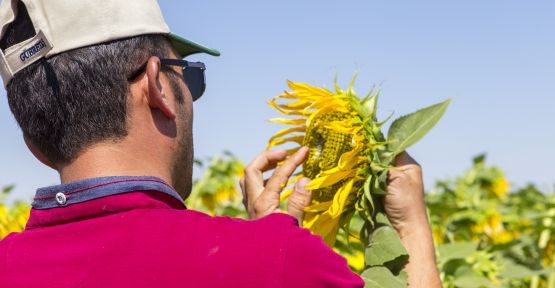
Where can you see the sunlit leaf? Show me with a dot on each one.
(408, 129)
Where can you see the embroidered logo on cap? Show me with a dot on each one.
(23, 54)
(28, 53)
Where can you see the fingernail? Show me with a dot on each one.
(301, 183)
(302, 150)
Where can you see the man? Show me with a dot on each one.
(101, 95)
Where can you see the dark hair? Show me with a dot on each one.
(77, 98)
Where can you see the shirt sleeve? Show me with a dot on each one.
(309, 262)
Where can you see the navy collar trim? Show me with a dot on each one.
(93, 188)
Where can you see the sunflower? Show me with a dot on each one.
(500, 187)
(340, 130)
(216, 191)
(13, 219)
(492, 226)
(348, 155)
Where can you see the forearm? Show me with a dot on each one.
(406, 209)
(421, 269)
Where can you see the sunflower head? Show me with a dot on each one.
(326, 146)
(348, 155)
(331, 125)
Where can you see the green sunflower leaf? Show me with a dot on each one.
(467, 278)
(381, 277)
(370, 105)
(459, 250)
(385, 246)
(408, 129)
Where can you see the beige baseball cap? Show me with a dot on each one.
(62, 25)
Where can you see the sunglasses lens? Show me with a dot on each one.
(194, 78)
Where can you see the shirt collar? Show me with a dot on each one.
(95, 196)
(93, 188)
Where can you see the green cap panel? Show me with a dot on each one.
(186, 47)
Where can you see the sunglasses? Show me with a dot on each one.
(193, 75)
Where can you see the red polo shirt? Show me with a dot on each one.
(136, 232)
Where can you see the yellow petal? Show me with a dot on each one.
(285, 194)
(330, 104)
(309, 90)
(324, 225)
(283, 132)
(324, 110)
(285, 95)
(294, 179)
(328, 180)
(293, 150)
(340, 199)
(347, 161)
(344, 126)
(351, 158)
(318, 207)
(288, 112)
(296, 139)
(287, 121)
(300, 104)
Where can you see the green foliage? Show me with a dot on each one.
(12, 217)
(383, 246)
(4, 191)
(381, 277)
(409, 129)
(489, 237)
(216, 191)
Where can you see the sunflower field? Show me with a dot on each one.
(12, 217)
(486, 234)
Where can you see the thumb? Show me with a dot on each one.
(299, 199)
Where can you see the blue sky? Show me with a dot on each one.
(494, 58)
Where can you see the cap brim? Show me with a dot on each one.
(186, 47)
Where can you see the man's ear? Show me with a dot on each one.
(156, 96)
(38, 154)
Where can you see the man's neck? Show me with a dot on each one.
(114, 160)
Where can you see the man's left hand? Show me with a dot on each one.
(261, 197)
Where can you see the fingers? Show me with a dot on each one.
(253, 183)
(396, 175)
(260, 196)
(406, 167)
(406, 163)
(281, 175)
(267, 160)
(243, 191)
(299, 199)
(404, 159)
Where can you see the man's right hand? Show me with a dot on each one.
(404, 202)
(406, 210)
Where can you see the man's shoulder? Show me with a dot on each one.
(4, 242)
(240, 247)
(268, 226)
(271, 222)
(273, 229)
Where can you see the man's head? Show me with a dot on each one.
(74, 101)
